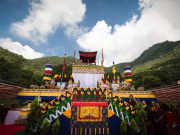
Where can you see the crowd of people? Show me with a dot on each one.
(159, 117)
(156, 120)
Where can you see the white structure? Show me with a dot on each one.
(87, 75)
(11, 117)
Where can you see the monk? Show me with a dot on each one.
(160, 121)
(132, 101)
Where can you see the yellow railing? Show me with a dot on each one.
(58, 92)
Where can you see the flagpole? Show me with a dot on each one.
(74, 56)
(61, 75)
(64, 66)
(114, 70)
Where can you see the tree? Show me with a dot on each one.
(151, 82)
(37, 80)
(45, 127)
(34, 119)
(55, 127)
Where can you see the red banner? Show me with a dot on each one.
(128, 74)
(48, 72)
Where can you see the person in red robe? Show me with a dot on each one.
(160, 121)
(132, 101)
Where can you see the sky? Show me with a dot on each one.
(122, 28)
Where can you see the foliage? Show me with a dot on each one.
(55, 127)
(140, 117)
(34, 118)
(45, 127)
(133, 126)
(147, 81)
(133, 116)
(168, 74)
(123, 127)
(11, 69)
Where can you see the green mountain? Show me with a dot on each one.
(156, 55)
(11, 68)
(156, 66)
(38, 65)
(16, 69)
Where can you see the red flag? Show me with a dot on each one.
(102, 58)
(64, 65)
(64, 58)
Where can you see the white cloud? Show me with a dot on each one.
(159, 21)
(16, 47)
(47, 15)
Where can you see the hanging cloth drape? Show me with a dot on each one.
(87, 80)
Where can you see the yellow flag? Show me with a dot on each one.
(113, 69)
(128, 80)
(46, 78)
(56, 76)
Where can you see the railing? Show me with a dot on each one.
(12, 84)
(44, 90)
(63, 90)
(8, 91)
(9, 85)
(166, 87)
(141, 92)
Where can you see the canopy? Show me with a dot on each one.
(88, 57)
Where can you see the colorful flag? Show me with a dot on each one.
(113, 68)
(48, 72)
(102, 58)
(63, 67)
(127, 71)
